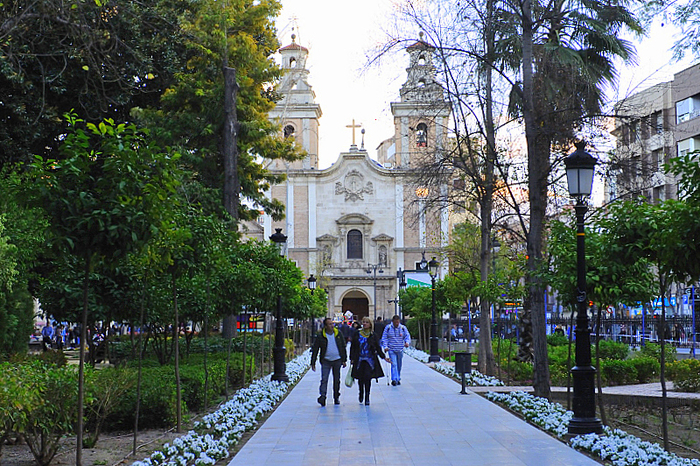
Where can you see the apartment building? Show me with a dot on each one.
(652, 127)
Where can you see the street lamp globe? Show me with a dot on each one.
(580, 167)
(311, 282)
(280, 241)
(433, 266)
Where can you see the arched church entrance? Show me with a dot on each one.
(357, 303)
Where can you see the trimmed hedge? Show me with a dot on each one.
(616, 372)
(685, 375)
(647, 368)
(612, 350)
(158, 390)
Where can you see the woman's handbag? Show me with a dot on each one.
(348, 378)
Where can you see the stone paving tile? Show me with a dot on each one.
(425, 421)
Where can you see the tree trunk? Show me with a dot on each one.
(662, 375)
(206, 349)
(81, 368)
(486, 362)
(568, 362)
(230, 155)
(176, 344)
(245, 347)
(538, 171)
(601, 401)
(142, 318)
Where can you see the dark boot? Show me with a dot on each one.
(362, 393)
(367, 392)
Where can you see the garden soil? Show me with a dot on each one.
(112, 449)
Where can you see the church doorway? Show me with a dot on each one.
(357, 303)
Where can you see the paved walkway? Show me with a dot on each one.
(424, 421)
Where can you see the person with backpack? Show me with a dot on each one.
(394, 339)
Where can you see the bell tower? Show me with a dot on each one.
(421, 118)
(297, 112)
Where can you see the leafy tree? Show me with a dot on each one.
(611, 277)
(100, 57)
(666, 235)
(106, 197)
(191, 115)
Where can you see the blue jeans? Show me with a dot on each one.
(326, 367)
(396, 357)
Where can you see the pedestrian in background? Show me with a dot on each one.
(394, 340)
(47, 334)
(365, 352)
(329, 347)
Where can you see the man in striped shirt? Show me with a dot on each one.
(394, 339)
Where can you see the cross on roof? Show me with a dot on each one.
(353, 126)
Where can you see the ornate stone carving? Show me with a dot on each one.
(353, 187)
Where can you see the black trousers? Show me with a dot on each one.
(364, 382)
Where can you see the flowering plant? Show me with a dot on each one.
(475, 378)
(614, 445)
(213, 436)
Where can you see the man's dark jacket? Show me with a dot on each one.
(321, 344)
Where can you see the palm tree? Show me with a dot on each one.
(568, 50)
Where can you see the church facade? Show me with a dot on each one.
(355, 224)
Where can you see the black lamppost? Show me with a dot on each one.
(432, 270)
(401, 275)
(311, 283)
(279, 351)
(580, 167)
(373, 268)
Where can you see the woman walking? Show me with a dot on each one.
(365, 352)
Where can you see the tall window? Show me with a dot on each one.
(354, 244)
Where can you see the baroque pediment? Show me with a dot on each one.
(354, 219)
(326, 238)
(382, 238)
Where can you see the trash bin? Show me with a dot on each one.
(463, 362)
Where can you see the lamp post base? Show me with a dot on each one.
(434, 356)
(280, 374)
(582, 426)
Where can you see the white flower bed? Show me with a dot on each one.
(551, 417)
(217, 432)
(614, 445)
(475, 378)
(422, 356)
(623, 449)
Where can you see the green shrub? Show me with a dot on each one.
(519, 371)
(46, 358)
(559, 365)
(653, 350)
(611, 350)
(616, 372)
(557, 339)
(157, 408)
(193, 380)
(685, 375)
(53, 417)
(647, 368)
(158, 396)
(16, 399)
(107, 388)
